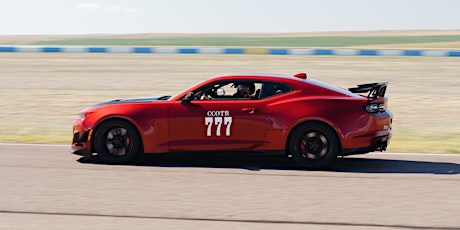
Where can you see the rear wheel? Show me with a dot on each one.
(117, 141)
(313, 145)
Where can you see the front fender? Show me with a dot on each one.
(149, 119)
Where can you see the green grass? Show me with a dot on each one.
(321, 41)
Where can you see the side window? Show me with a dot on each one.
(270, 89)
(230, 90)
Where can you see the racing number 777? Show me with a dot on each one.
(209, 121)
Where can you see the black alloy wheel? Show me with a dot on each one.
(117, 141)
(313, 145)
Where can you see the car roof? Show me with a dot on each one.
(296, 82)
(293, 81)
(264, 75)
(260, 76)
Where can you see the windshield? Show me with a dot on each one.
(164, 98)
(183, 91)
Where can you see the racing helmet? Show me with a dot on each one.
(245, 88)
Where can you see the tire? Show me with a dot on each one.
(117, 141)
(313, 145)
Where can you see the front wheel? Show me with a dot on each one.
(313, 145)
(117, 141)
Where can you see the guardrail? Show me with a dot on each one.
(206, 50)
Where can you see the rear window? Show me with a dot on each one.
(331, 87)
(270, 89)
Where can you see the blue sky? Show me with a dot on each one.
(29, 17)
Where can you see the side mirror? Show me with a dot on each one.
(220, 92)
(187, 98)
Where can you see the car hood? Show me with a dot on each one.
(132, 100)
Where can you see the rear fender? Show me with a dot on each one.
(338, 132)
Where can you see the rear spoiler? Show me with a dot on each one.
(375, 89)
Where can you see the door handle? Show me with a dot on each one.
(249, 110)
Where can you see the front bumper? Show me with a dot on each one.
(81, 141)
(80, 152)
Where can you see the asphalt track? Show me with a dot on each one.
(45, 187)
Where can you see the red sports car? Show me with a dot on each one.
(309, 120)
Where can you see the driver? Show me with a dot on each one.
(245, 90)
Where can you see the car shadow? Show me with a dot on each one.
(256, 161)
(367, 165)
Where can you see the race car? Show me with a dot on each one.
(310, 121)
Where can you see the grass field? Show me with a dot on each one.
(42, 93)
(430, 39)
(314, 41)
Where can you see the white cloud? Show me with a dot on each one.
(114, 8)
(109, 8)
(130, 10)
(88, 6)
(119, 8)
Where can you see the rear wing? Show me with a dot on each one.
(374, 90)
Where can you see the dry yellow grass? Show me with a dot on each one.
(42, 93)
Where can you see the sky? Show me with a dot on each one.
(71, 17)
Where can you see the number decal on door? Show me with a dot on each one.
(208, 122)
(218, 122)
(218, 119)
(228, 123)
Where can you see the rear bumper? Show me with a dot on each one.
(378, 144)
(374, 132)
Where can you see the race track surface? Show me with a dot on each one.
(45, 187)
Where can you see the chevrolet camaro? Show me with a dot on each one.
(308, 120)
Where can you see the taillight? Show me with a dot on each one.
(375, 108)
